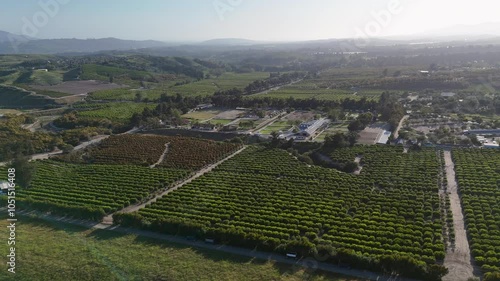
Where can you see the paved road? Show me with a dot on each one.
(458, 259)
(309, 263)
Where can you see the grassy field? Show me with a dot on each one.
(46, 78)
(56, 251)
(226, 81)
(116, 111)
(120, 75)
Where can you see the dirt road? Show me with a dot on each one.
(396, 132)
(162, 157)
(458, 258)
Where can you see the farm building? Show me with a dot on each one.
(312, 126)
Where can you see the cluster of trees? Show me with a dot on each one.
(234, 98)
(16, 141)
(73, 121)
(390, 109)
(361, 122)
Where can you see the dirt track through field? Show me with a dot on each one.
(458, 258)
(162, 157)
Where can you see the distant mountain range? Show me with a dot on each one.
(12, 44)
(488, 33)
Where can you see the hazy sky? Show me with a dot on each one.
(271, 20)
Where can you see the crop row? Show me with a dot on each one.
(182, 152)
(100, 187)
(478, 177)
(264, 197)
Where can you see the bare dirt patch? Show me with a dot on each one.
(300, 116)
(230, 114)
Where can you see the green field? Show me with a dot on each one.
(116, 111)
(120, 75)
(266, 199)
(276, 127)
(59, 252)
(14, 97)
(46, 78)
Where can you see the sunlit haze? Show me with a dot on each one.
(277, 20)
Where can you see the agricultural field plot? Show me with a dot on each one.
(332, 129)
(129, 149)
(388, 166)
(78, 87)
(278, 126)
(120, 75)
(113, 111)
(478, 178)
(300, 116)
(226, 81)
(182, 152)
(266, 198)
(89, 253)
(14, 97)
(307, 89)
(46, 78)
(202, 115)
(127, 94)
(91, 191)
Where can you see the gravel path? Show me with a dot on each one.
(458, 258)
